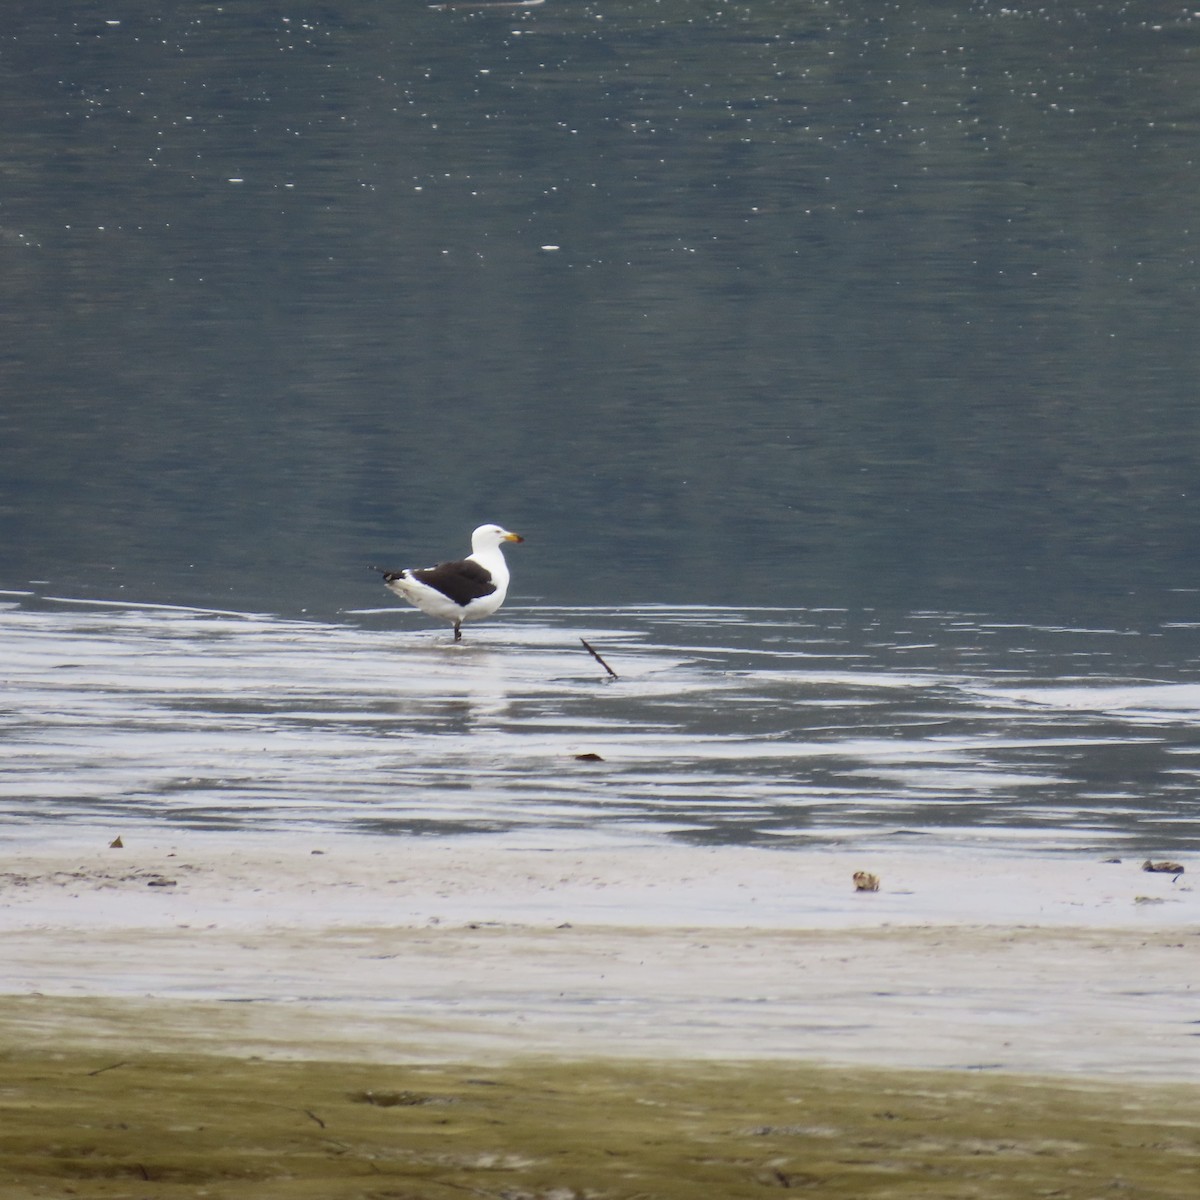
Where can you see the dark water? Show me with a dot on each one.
(854, 303)
(800, 308)
(768, 726)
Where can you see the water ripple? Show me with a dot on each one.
(734, 725)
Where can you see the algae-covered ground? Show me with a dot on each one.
(87, 1123)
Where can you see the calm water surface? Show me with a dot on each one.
(783, 331)
(754, 726)
(850, 302)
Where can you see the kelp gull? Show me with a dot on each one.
(466, 590)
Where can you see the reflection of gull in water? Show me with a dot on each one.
(466, 692)
(485, 701)
(464, 590)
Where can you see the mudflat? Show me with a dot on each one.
(229, 1015)
(148, 1125)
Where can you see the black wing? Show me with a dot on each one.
(462, 581)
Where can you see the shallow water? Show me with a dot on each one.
(751, 726)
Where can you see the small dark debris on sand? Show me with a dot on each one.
(1163, 867)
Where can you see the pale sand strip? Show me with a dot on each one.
(477, 948)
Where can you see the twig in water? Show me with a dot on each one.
(601, 661)
(101, 1070)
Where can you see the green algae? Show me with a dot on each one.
(153, 1126)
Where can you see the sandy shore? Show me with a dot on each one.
(481, 949)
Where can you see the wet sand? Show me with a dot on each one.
(485, 949)
(361, 1018)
